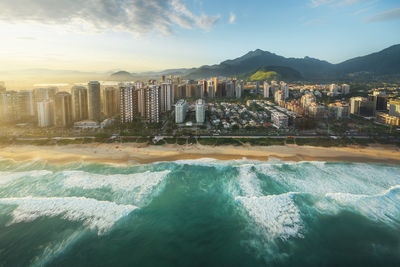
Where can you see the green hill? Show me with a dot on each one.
(272, 73)
(263, 75)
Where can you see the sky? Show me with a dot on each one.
(145, 35)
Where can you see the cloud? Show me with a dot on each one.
(391, 14)
(232, 18)
(135, 16)
(318, 3)
(360, 11)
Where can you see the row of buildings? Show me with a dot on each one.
(213, 88)
(146, 102)
(50, 106)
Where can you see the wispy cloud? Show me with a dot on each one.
(391, 14)
(360, 11)
(232, 18)
(135, 16)
(318, 3)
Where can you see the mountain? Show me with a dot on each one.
(307, 67)
(122, 76)
(272, 73)
(385, 62)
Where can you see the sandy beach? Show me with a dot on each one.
(131, 153)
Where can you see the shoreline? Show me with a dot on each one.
(133, 153)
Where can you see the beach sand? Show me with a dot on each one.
(131, 153)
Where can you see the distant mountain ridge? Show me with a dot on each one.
(385, 62)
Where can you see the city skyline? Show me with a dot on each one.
(154, 35)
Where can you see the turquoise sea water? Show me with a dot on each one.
(199, 213)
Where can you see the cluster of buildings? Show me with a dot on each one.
(279, 91)
(53, 108)
(87, 106)
(233, 115)
(182, 107)
(97, 105)
(145, 102)
(377, 105)
(211, 89)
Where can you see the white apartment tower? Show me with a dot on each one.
(266, 89)
(180, 111)
(128, 103)
(45, 111)
(200, 111)
(166, 95)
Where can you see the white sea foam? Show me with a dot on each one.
(97, 215)
(248, 182)
(7, 177)
(142, 184)
(321, 178)
(382, 207)
(276, 215)
(53, 250)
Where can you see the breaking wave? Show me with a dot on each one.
(8, 177)
(142, 185)
(276, 215)
(97, 215)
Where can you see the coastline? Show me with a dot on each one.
(133, 153)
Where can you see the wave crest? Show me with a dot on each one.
(97, 215)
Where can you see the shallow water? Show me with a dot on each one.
(198, 213)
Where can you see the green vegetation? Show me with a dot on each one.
(262, 76)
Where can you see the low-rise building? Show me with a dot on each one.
(279, 120)
(387, 119)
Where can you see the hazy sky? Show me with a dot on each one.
(140, 35)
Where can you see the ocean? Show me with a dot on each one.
(199, 213)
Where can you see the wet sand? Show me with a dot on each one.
(131, 153)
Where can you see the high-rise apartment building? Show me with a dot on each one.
(211, 88)
(9, 106)
(166, 95)
(80, 110)
(94, 101)
(278, 96)
(111, 101)
(128, 103)
(380, 100)
(42, 94)
(25, 104)
(45, 113)
(345, 89)
(230, 87)
(202, 87)
(238, 89)
(63, 109)
(200, 111)
(180, 111)
(266, 89)
(285, 90)
(152, 104)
